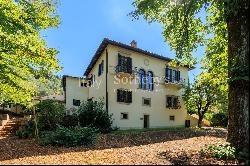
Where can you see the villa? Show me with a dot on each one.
(139, 88)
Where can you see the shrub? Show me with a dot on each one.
(70, 120)
(27, 131)
(220, 151)
(92, 114)
(219, 119)
(49, 114)
(72, 136)
(243, 155)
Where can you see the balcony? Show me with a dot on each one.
(124, 71)
(174, 83)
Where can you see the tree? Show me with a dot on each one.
(200, 96)
(224, 28)
(51, 85)
(24, 54)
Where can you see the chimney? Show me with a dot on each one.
(133, 44)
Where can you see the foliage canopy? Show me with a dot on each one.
(24, 54)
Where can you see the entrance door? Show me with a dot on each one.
(146, 121)
(187, 123)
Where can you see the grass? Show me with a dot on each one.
(138, 131)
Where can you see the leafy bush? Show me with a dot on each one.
(92, 114)
(219, 119)
(72, 136)
(49, 114)
(27, 131)
(220, 151)
(70, 120)
(243, 155)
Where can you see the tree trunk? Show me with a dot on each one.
(200, 121)
(238, 59)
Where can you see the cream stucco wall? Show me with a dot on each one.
(98, 88)
(158, 113)
(75, 91)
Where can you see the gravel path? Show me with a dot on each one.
(144, 148)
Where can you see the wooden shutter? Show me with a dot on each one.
(179, 76)
(99, 69)
(102, 69)
(171, 75)
(166, 74)
(128, 97)
(118, 95)
(119, 60)
(129, 65)
(152, 85)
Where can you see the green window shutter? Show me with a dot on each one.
(102, 66)
(129, 65)
(166, 74)
(171, 75)
(118, 95)
(179, 76)
(99, 69)
(129, 96)
(119, 60)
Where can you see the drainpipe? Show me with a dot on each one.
(107, 80)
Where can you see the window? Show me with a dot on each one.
(90, 80)
(124, 115)
(124, 64)
(171, 118)
(82, 84)
(124, 96)
(169, 102)
(101, 68)
(142, 81)
(150, 81)
(172, 75)
(76, 102)
(173, 102)
(146, 101)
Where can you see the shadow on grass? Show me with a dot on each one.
(14, 148)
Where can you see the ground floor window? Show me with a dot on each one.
(173, 102)
(146, 102)
(171, 118)
(124, 115)
(124, 96)
(76, 102)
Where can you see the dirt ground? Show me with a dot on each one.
(152, 147)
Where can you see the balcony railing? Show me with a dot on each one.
(123, 69)
(180, 83)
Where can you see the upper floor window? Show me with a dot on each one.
(172, 75)
(101, 68)
(150, 81)
(124, 64)
(146, 81)
(124, 96)
(142, 81)
(173, 102)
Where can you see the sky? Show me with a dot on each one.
(85, 23)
